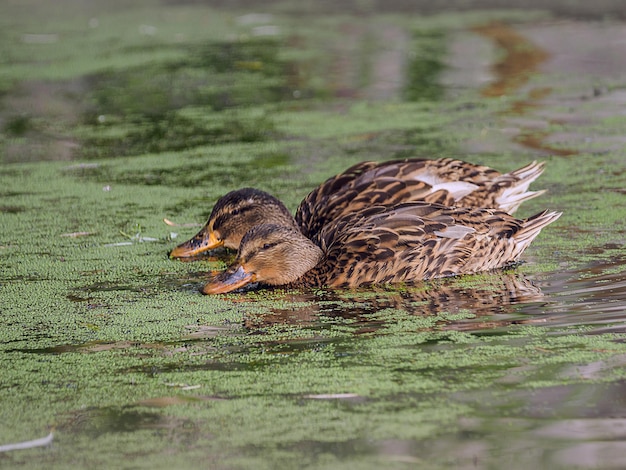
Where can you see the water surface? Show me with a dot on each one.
(115, 119)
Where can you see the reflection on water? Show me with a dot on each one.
(522, 58)
(483, 301)
(588, 434)
(595, 296)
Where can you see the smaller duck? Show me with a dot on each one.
(232, 216)
(405, 243)
(444, 181)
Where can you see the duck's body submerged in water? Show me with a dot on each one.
(401, 221)
(409, 242)
(444, 181)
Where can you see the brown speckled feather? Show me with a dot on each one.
(417, 241)
(444, 181)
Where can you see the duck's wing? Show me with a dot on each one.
(417, 241)
(443, 181)
(330, 199)
(386, 183)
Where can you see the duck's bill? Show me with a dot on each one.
(231, 279)
(204, 240)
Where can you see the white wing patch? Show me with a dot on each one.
(455, 231)
(458, 189)
(428, 177)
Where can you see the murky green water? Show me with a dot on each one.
(113, 119)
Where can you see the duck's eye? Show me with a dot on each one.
(235, 211)
(267, 246)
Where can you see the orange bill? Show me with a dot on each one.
(233, 278)
(204, 240)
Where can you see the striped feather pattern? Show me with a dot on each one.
(418, 241)
(443, 181)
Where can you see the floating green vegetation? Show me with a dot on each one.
(220, 392)
(425, 66)
(177, 105)
(109, 344)
(217, 76)
(173, 132)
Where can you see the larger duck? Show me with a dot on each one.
(408, 242)
(444, 181)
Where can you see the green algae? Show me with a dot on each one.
(109, 343)
(426, 66)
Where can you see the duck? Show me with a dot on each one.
(445, 181)
(405, 243)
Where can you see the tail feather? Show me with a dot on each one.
(513, 196)
(530, 172)
(533, 225)
(510, 201)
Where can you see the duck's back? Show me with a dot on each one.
(444, 181)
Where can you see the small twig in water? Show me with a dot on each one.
(44, 441)
(174, 224)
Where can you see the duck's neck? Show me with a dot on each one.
(313, 276)
(292, 267)
(304, 261)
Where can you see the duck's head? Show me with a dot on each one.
(270, 254)
(232, 216)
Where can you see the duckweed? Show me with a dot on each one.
(109, 343)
